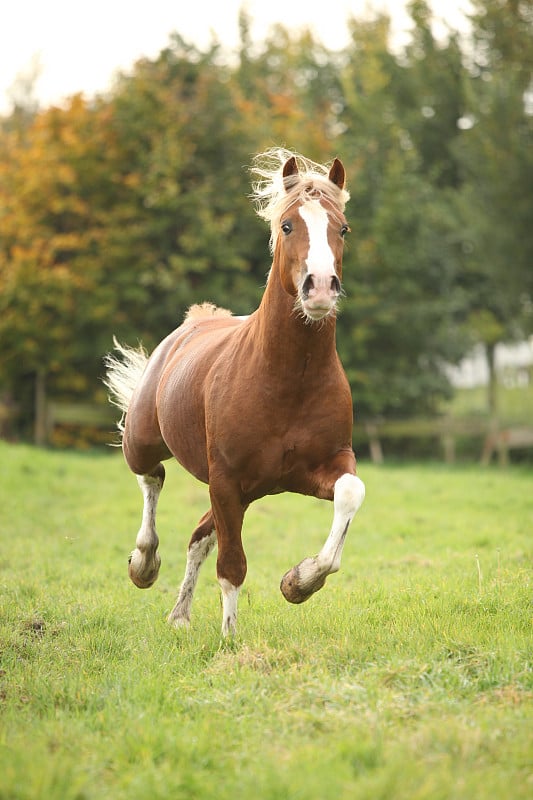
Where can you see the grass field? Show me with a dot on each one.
(408, 677)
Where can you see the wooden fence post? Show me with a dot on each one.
(376, 452)
(41, 423)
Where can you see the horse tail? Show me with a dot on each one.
(123, 373)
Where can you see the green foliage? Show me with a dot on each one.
(399, 323)
(184, 226)
(118, 213)
(496, 158)
(407, 676)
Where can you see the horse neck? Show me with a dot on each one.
(285, 336)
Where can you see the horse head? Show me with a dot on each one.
(310, 238)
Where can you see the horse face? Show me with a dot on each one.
(312, 241)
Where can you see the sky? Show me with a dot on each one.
(79, 47)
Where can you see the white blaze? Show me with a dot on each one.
(320, 258)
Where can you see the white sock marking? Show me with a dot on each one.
(347, 500)
(196, 555)
(230, 596)
(151, 489)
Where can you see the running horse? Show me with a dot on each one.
(253, 405)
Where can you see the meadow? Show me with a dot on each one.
(408, 677)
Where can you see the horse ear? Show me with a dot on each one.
(337, 174)
(290, 172)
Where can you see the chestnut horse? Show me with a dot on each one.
(252, 405)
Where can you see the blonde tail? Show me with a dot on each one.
(123, 373)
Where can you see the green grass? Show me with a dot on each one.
(407, 677)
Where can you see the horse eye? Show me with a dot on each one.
(286, 227)
(344, 230)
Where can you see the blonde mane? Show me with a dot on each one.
(272, 194)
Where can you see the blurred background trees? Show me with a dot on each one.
(118, 212)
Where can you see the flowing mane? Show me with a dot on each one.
(273, 194)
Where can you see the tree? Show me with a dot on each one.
(186, 214)
(429, 90)
(290, 91)
(118, 213)
(496, 156)
(397, 326)
(53, 184)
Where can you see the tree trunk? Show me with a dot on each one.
(492, 389)
(41, 426)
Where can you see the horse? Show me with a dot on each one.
(255, 405)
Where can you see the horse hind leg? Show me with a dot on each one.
(144, 561)
(202, 542)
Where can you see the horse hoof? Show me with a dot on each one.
(143, 573)
(296, 590)
(178, 622)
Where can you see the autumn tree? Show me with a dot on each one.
(54, 188)
(117, 213)
(185, 229)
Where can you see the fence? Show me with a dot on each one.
(377, 434)
(447, 430)
(86, 416)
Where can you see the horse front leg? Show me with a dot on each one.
(228, 514)
(202, 542)
(303, 580)
(144, 561)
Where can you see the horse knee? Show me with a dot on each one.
(349, 494)
(231, 567)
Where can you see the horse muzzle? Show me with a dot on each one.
(319, 294)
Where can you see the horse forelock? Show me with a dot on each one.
(273, 194)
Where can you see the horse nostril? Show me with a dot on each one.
(335, 285)
(307, 285)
